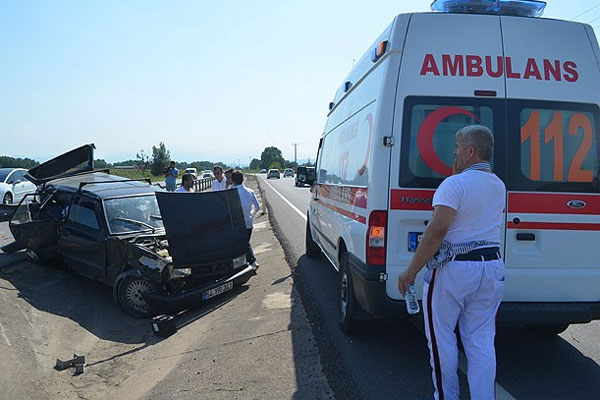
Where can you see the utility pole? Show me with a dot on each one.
(295, 152)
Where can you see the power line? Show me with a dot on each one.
(595, 19)
(587, 11)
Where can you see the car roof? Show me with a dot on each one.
(12, 169)
(111, 186)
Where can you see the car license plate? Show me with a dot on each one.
(217, 291)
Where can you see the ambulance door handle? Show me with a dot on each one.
(526, 236)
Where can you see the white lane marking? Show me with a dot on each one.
(286, 200)
(4, 335)
(501, 393)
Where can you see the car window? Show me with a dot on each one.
(133, 214)
(83, 214)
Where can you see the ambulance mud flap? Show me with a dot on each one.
(370, 291)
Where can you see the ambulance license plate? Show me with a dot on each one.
(413, 240)
(217, 291)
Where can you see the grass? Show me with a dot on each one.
(136, 174)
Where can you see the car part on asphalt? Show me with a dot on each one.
(163, 325)
(74, 362)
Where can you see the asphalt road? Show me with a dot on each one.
(389, 359)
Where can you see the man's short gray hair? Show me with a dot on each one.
(480, 137)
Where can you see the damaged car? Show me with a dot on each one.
(159, 251)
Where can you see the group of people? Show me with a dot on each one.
(224, 180)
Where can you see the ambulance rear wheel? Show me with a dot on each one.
(312, 248)
(349, 307)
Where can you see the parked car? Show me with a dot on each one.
(273, 173)
(13, 185)
(263, 171)
(305, 176)
(192, 171)
(288, 172)
(132, 235)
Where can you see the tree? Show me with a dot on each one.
(160, 158)
(291, 164)
(11, 162)
(270, 155)
(100, 163)
(254, 164)
(142, 160)
(275, 165)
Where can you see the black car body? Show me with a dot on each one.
(159, 251)
(305, 176)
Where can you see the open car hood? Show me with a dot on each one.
(75, 161)
(203, 228)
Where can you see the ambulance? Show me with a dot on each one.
(388, 143)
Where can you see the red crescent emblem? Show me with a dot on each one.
(425, 137)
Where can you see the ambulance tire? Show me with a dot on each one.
(312, 249)
(548, 330)
(348, 305)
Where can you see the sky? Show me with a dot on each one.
(216, 81)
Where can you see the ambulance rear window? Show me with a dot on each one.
(429, 135)
(557, 145)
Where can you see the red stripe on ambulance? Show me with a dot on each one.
(411, 199)
(553, 203)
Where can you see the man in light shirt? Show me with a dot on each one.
(250, 206)
(219, 183)
(187, 184)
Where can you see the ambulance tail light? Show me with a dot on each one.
(376, 240)
(519, 8)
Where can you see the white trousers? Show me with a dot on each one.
(467, 293)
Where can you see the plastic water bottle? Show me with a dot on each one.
(412, 305)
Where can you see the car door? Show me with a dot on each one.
(20, 185)
(83, 239)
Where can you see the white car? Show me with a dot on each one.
(13, 185)
(191, 171)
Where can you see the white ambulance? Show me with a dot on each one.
(389, 140)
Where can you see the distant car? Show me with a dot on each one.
(207, 175)
(288, 172)
(263, 171)
(305, 176)
(273, 173)
(191, 171)
(13, 185)
(131, 235)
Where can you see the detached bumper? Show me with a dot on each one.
(169, 303)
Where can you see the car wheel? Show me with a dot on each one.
(548, 330)
(7, 199)
(348, 306)
(312, 249)
(131, 299)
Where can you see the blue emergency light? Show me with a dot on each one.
(519, 8)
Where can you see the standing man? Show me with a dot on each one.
(465, 280)
(187, 184)
(228, 177)
(171, 177)
(219, 183)
(250, 206)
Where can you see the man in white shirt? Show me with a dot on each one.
(465, 280)
(250, 206)
(187, 184)
(219, 183)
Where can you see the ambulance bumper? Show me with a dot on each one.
(370, 291)
(543, 314)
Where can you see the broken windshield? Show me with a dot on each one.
(133, 214)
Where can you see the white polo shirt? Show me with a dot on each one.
(479, 198)
(216, 185)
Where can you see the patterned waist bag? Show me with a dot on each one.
(447, 251)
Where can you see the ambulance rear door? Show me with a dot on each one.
(446, 83)
(553, 209)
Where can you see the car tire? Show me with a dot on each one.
(7, 199)
(312, 249)
(130, 295)
(348, 305)
(548, 330)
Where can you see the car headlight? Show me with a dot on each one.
(239, 262)
(176, 273)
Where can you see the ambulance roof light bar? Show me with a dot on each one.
(519, 8)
